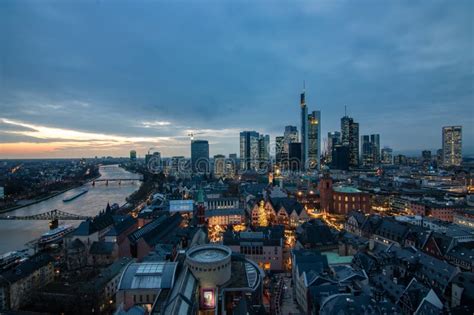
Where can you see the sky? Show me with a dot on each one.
(99, 78)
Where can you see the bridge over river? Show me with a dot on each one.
(29, 222)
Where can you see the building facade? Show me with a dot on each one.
(279, 147)
(219, 165)
(264, 151)
(350, 138)
(304, 130)
(264, 246)
(387, 156)
(249, 152)
(200, 156)
(370, 149)
(452, 145)
(314, 140)
(334, 139)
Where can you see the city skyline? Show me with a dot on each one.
(67, 93)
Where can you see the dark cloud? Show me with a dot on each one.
(404, 69)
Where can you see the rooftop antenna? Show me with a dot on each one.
(345, 110)
(304, 85)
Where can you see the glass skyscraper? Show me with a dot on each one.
(387, 156)
(279, 146)
(452, 145)
(370, 149)
(200, 156)
(334, 138)
(291, 136)
(314, 140)
(249, 150)
(350, 138)
(304, 130)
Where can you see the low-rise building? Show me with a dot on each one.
(440, 211)
(315, 234)
(141, 283)
(345, 303)
(264, 246)
(144, 239)
(462, 290)
(280, 210)
(346, 199)
(212, 280)
(87, 295)
(18, 283)
(222, 203)
(229, 216)
(309, 268)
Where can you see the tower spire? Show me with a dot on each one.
(345, 110)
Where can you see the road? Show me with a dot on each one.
(289, 305)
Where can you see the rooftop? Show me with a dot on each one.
(208, 253)
(334, 258)
(347, 190)
(26, 268)
(148, 275)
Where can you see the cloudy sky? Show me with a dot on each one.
(86, 78)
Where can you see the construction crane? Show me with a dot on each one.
(191, 134)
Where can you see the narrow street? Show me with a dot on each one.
(288, 306)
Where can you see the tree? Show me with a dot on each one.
(262, 214)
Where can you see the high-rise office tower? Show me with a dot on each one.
(334, 138)
(291, 136)
(304, 130)
(279, 146)
(439, 157)
(366, 150)
(153, 161)
(350, 138)
(375, 140)
(264, 151)
(133, 155)
(249, 152)
(452, 145)
(231, 165)
(400, 159)
(387, 156)
(178, 164)
(426, 158)
(314, 140)
(219, 165)
(295, 156)
(340, 157)
(200, 156)
(370, 149)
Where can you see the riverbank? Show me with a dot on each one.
(14, 234)
(35, 201)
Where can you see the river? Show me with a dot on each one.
(14, 234)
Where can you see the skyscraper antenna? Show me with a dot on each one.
(345, 110)
(304, 85)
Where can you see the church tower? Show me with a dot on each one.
(326, 192)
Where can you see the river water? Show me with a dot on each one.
(14, 234)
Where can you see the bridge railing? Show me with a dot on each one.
(50, 215)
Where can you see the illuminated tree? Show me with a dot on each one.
(262, 214)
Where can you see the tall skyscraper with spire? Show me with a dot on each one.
(304, 129)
